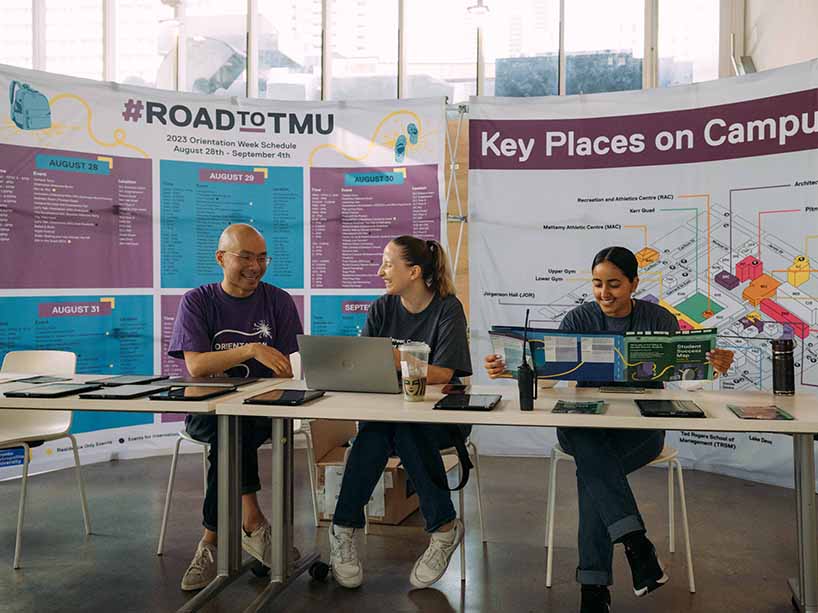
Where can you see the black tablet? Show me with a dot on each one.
(669, 408)
(52, 390)
(128, 380)
(40, 379)
(213, 381)
(468, 402)
(192, 392)
(613, 389)
(285, 397)
(123, 392)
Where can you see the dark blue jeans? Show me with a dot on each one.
(375, 443)
(607, 508)
(254, 431)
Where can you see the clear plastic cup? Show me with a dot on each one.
(414, 367)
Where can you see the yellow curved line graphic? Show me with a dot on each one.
(560, 374)
(119, 133)
(667, 368)
(371, 140)
(625, 362)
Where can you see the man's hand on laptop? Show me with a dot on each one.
(273, 359)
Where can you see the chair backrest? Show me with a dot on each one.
(43, 362)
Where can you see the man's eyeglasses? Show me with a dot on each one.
(248, 258)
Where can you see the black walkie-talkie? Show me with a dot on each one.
(526, 380)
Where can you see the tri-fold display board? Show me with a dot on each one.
(632, 357)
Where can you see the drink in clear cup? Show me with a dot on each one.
(414, 367)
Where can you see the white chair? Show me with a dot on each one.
(668, 456)
(23, 427)
(461, 507)
(299, 429)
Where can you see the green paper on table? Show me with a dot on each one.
(592, 407)
(759, 412)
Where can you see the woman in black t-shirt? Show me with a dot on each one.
(419, 305)
(608, 513)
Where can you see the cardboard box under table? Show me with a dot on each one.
(394, 498)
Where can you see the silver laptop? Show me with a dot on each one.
(348, 364)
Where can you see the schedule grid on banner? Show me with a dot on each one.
(713, 186)
(112, 200)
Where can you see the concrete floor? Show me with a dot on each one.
(743, 546)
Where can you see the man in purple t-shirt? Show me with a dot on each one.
(241, 327)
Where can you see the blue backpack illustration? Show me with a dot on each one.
(29, 108)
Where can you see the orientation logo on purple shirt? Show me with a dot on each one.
(209, 319)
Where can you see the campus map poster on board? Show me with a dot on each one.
(714, 186)
(112, 199)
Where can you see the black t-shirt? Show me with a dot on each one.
(441, 325)
(644, 317)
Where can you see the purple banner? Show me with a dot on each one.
(217, 175)
(352, 224)
(767, 126)
(73, 309)
(356, 306)
(299, 305)
(170, 366)
(62, 229)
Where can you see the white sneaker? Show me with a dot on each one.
(435, 560)
(259, 543)
(346, 568)
(202, 569)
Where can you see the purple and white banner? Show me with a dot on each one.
(112, 199)
(713, 186)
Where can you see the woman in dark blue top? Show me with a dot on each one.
(608, 513)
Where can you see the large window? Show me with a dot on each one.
(518, 42)
(441, 49)
(604, 45)
(73, 38)
(522, 48)
(216, 50)
(289, 43)
(364, 44)
(15, 33)
(145, 35)
(688, 41)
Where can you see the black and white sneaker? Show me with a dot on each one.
(648, 573)
(595, 599)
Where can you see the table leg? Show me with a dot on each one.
(281, 492)
(281, 517)
(805, 587)
(228, 553)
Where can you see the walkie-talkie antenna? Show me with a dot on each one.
(525, 334)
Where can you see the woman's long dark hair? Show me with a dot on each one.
(621, 257)
(433, 262)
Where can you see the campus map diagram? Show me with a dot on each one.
(746, 264)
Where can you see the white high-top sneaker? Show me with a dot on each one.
(346, 568)
(435, 560)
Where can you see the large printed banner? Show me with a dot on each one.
(714, 187)
(112, 199)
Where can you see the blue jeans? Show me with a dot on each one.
(376, 441)
(607, 508)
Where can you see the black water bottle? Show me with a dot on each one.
(783, 367)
